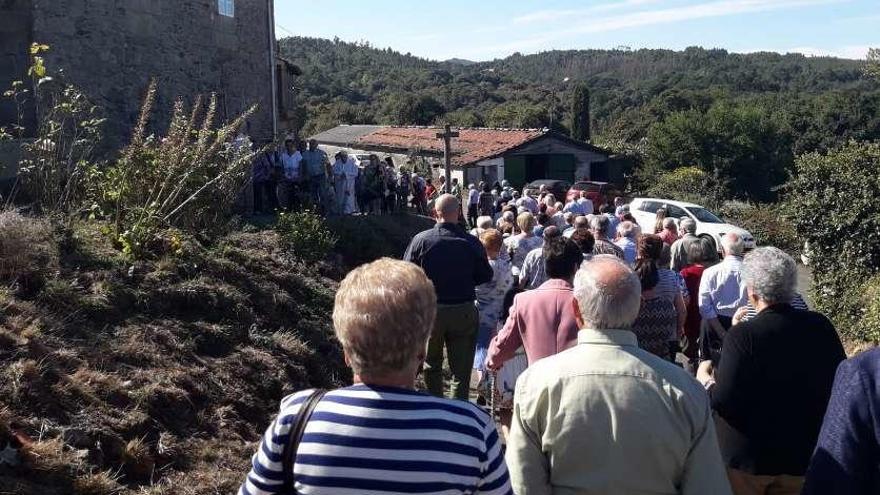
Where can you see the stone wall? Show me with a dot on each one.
(112, 48)
(15, 38)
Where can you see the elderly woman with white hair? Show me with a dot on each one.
(380, 435)
(521, 244)
(627, 234)
(774, 380)
(484, 223)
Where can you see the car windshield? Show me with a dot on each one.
(704, 215)
(586, 186)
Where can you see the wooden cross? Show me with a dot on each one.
(447, 136)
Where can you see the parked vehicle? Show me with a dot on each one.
(558, 188)
(709, 226)
(597, 192)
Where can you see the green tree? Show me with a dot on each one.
(580, 113)
(742, 145)
(835, 198)
(409, 109)
(873, 66)
(518, 115)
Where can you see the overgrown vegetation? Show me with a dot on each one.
(305, 235)
(154, 376)
(188, 180)
(835, 197)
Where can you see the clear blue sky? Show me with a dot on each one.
(487, 29)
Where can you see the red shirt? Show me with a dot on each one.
(668, 236)
(692, 275)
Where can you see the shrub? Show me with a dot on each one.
(770, 224)
(689, 184)
(305, 236)
(57, 166)
(188, 180)
(27, 248)
(835, 198)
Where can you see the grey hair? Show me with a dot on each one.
(508, 216)
(733, 244)
(689, 226)
(599, 223)
(771, 275)
(607, 301)
(626, 229)
(485, 222)
(669, 223)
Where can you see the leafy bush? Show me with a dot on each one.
(770, 224)
(305, 236)
(690, 184)
(188, 180)
(835, 198)
(57, 166)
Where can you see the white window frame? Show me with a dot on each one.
(226, 7)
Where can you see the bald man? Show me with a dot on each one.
(606, 416)
(456, 263)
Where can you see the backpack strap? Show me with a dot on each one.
(294, 437)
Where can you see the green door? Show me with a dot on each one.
(561, 167)
(515, 170)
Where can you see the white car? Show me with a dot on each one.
(644, 210)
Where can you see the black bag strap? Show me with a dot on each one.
(295, 437)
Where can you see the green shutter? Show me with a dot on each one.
(561, 167)
(515, 170)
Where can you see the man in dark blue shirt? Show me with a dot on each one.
(456, 263)
(847, 457)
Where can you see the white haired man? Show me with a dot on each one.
(606, 416)
(774, 381)
(456, 262)
(626, 241)
(679, 248)
(722, 292)
(362, 438)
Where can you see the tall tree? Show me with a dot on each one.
(873, 67)
(580, 113)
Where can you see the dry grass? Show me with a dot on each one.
(27, 247)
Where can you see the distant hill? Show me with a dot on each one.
(460, 61)
(631, 90)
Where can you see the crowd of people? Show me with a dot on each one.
(302, 176)
(617, 358)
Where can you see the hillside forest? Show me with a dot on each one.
(740, 118)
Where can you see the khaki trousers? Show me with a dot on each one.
(752, 484)
(455, 328)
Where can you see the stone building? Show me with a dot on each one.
(516, 155)
(112, 48)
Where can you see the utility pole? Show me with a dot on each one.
(447, 136)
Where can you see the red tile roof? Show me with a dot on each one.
(473, 145)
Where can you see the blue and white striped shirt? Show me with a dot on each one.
(370, 440)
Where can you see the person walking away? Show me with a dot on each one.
(605, 417)
(774, 381)
(404, 189)
(534, 273)
(540, 322)
(456, 263)
(669, 234)
(721, 293)
(291, 163)
(490, 302)
(662, 313)
(382, 316)
(390, 185)
(692, 275)
(314, 163)
(486, 202)
(599, 228)
(626, 241)
(680, 248)
(264, 183)
(847, 457)
(659, 218)
(473, 199)
(522, 244)
(374, 186)
(456, 188)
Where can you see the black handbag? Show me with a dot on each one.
(288, 457)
